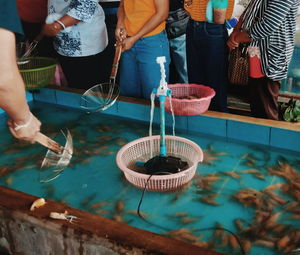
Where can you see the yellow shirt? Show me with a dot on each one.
(197, 9)
(137, 13)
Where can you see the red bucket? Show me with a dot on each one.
(189, 99)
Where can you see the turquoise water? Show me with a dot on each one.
(92, 182)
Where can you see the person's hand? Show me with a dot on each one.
(128, 43)
(120, 33)
(25, 131)
(52, 29)
(231, 42)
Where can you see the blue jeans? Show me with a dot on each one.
(207, 59)
(178, 56)
(139, 71)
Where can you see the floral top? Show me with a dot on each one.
(89, 36)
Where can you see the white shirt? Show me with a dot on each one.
(86, 38)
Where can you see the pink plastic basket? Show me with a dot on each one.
(140, 150)
(189, 106)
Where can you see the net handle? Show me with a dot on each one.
(48, 143)
(115, 65)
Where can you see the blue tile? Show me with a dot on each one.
(134, 111)
(207, 125)
(68, 99)
(181, 122)
(3, 118)
(111, 110)
(248, 132)
(45, 95)
(29, 96)
(285, 139)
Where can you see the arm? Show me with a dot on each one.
(219, 10)
(12, 90)
(273, 17)
(219, 15)
(162, 12)
(79, 11)
(120, 32)
(232, 42)
(54, 28)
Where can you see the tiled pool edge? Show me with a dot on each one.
(33, 232)
(248, 129)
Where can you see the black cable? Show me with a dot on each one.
(139, 206)
(168, 230)
(229, 231)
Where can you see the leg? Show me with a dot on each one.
(129, 76)
(82, 72)
(264, 98)
(193, 60)
(148, 49)
(178, 56)
(207, 56)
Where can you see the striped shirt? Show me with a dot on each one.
(271, 24)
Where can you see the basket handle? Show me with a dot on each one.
(49, 143)
(115, 65)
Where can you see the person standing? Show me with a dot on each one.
(80, 36)
(33, 14)
(269, 27)
(178, 41)
(22, 123)
(207, 53)
(141, 31)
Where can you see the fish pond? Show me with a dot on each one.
(244, 198)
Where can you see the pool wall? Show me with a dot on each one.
(34, 233)
(277, 134)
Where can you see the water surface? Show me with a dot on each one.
(245, 189)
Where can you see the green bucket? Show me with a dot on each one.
(37, 72)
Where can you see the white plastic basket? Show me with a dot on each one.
(140, 150)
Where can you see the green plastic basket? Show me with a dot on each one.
(37, 72)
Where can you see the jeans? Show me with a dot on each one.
(178, 56)
(207, 59)
(139, 71)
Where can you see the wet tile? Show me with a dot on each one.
(112, 110)
(133, 111)
(45, 95)
(3, 117)
(207, 125)
(68, 99)
(285, 139)
(248, 132)
(181, 122)
(29, 96)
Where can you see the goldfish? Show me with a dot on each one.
(98, 205)
(232, 174)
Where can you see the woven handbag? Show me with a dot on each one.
(238, 70)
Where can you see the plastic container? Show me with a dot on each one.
(187, 107)
(140, 150)
(37, 72)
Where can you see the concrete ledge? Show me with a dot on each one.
(33, 233)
